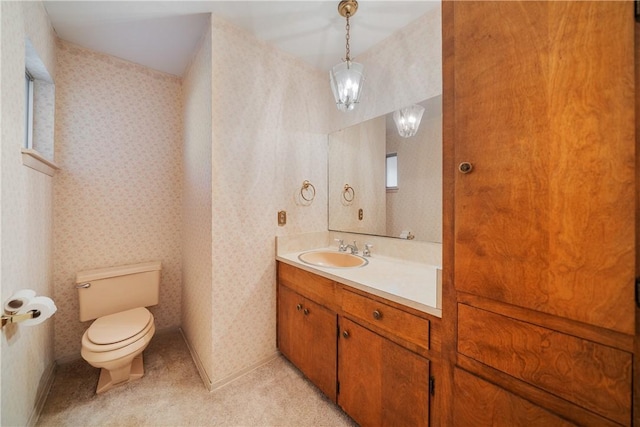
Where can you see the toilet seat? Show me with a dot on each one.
(118, 330)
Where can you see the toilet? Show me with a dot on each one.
(117, 297)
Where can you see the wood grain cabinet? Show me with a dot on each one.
(481, 403)
(371, 356)
(307, 337)
(412, 331)
(540, 233)
(381, 382)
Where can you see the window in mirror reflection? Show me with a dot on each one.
(392, 171)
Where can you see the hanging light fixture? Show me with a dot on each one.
(408, 120)
(346, 77)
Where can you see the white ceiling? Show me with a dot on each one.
(163, 35)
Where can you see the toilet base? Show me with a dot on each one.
(128, 373)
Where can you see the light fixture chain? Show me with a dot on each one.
(348, 27)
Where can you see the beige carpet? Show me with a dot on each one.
(172, 394)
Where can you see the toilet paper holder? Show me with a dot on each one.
(18, 308)
(16, 318)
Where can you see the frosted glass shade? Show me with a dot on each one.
(408, 120)
(346, 83)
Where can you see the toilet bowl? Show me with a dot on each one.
(115, 344)
(117, 297)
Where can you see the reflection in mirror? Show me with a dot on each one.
(412, 208)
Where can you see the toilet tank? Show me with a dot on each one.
(111, 290)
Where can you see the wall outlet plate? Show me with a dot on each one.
(282, 218)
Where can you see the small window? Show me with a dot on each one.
(28, 110)
(392, 171)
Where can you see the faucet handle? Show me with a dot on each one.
(367, 249)
(341, 245)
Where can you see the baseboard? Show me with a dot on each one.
(68, 359)
(46, 382)
(229, 379)
(196, 359)
(211, 386)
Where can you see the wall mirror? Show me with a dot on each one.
(359, 198)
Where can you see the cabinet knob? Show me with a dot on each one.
(465, 167)
(345, 333)
(377, 315)
(305, 311)
(299, 307)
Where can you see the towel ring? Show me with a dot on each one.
(348, 194)
(308, 187)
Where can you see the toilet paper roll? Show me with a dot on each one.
(18, 300)
(44, 305)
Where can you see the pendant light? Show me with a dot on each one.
(408, 120)
(346, 77)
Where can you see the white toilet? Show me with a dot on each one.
(116, 297)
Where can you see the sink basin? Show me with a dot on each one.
(332, 259)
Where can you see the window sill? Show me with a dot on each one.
(34, 160)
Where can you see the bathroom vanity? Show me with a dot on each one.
(378, 357)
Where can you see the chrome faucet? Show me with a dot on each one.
(367, 249)
(354, 248)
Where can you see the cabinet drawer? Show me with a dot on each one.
(588, 374)
(480, 403)
(319, 289)
(393, 320)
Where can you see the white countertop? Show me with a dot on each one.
(409, 283)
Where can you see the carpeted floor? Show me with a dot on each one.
(172, 394)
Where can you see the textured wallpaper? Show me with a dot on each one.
(118, 195)
(26, 244)
(267, 139)
(256, 133)
(255, 126)
(196, 207)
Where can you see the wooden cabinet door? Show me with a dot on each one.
(381, 383)
(319, 347)
(307, 337)
(544, 111)
(539, 99)
(290, 326)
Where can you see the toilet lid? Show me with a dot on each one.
(119, 326)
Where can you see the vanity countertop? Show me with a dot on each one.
(409, 283)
